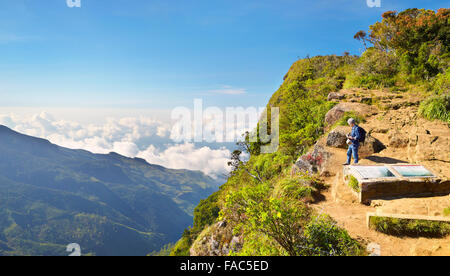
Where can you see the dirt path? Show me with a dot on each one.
(352, 216)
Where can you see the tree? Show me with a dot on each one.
(408, 30)
(361, 36)
(419, 38)
(235, 160)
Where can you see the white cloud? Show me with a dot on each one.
(124, 136)
(186, 156)
(229, 90)
(126, 148)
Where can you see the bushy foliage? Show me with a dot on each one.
(410, 227)
(436, 108)
(441, 84)
(446, 211)
(206, 212)
(183, 246)
(325, 238)
(270, 165)
(411, 46)
(302, 99)
(354, 184)
(257, 244)
(288, 222)
(407, 30)
(302, 124)
(375, 69)
(165, 251)
(296, 189)
(350, 114)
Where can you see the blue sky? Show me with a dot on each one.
(157, 54)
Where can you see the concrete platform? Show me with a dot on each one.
(393, 181)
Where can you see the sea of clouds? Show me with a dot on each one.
(141, 137)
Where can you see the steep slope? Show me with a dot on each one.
(401, 85)
(52, 196)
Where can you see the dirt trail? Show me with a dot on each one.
(409, 139)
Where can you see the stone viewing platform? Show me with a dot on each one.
(393, 181)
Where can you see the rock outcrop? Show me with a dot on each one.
(398, 140)
(337, 112)
(335, 96)
(217, 240)
(338, 138)
(316, 161)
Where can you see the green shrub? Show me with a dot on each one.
(271, 165)
(436, 108)
(296, 189)
(447, 212)
(410, 227)
(302, 124)
(325, 238)
(350, 114)
(441, 84)
(182, 247)
(418, 36)
(302, 100)
(206, 212)
(165, 251)
(285, 225)
(375, 69)
(354, 184)
(258, 244)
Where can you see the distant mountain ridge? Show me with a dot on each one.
(52, 196)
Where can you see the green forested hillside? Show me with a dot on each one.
(406, 52)
(109, 204)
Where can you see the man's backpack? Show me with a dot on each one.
(362, 134)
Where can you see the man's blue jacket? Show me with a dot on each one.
(356, 135)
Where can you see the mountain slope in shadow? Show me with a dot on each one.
(52, 196)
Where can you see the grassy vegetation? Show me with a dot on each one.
(302, 100)
(293, 188)
(436, 108)
(165, 251)
(410, 227)
(354, 184)
(347, 115)
(446, 212)
(183, 246)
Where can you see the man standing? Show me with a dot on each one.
(354, 139)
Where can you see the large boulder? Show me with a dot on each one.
(315, 161)
(338, 139)
(398, 140)
(371, 146)
(335, 96)
(337, 112)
